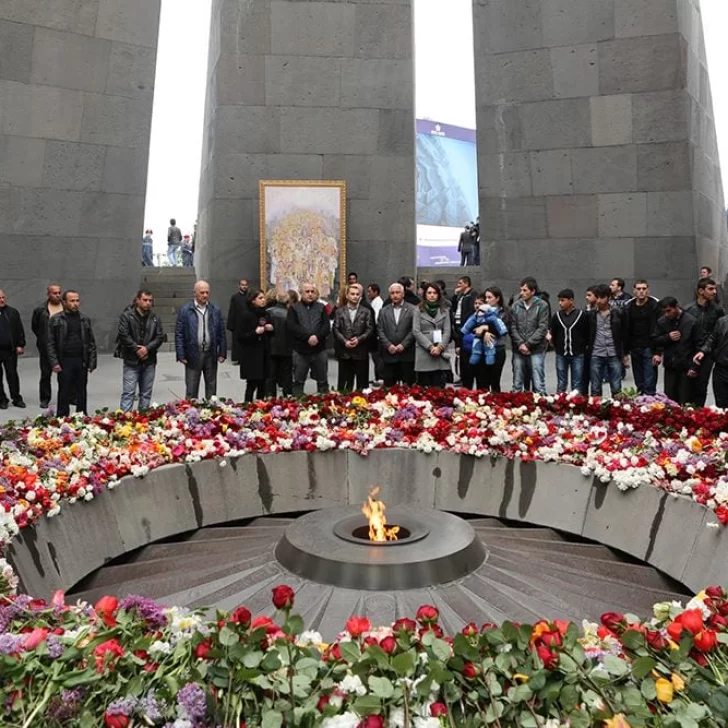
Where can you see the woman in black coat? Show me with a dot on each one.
(253, 332)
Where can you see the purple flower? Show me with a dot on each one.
(122, 706)
(151, 612)
(193, 701)
(10, 643)
(151, 706)
(66, 706)
(55, 648)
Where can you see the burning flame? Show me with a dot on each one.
(374, 509)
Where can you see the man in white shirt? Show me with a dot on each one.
(374, 294)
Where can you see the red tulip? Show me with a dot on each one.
(356, 626)
(706, 640)
(388, 644)
(716, 592)
(438, 709)
(106, 608)
(116, 721)
(36, 637)
(283, 597)
(241, 616)
(427, 614)
(691, 619)
(469, 671)
(106, 654)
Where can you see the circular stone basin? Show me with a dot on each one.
(322, 547)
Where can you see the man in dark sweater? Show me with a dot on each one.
(12, 345)
(308, 326)
(716, 347)
(570, 335)
(72, 352)
(706, 312)
(641, 314)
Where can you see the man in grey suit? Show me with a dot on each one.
(396, 340)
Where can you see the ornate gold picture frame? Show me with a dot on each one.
(302, 234)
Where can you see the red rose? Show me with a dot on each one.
(106, 653)
(691, 619)
(356, 626)
(674, 629)
(716, 592)
(404, 625)
(469, 671)
(388, 644)
(470, 630)
(203, 650)
(323, 701)
(438, 709)
(562, 625)
(550, 639)
(656, 640)
(550, 659)
(613, 621)
(706, 640)
(116, 721)
(427, 614)
(372, 721)
(105, 608)
(36, 637)
(283, 597)
(241, 616)
(369, 641)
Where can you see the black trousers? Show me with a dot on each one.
(720, 386)
(399, 371)
(351, 370)
(9, 363)
(207, 369)
(281, 375)
(254, 386)
(467, 370)
(431, 379)
(46, 372)
(700, 383)
(378, 365)
(679, 387)
(72, 380)
(489, 377)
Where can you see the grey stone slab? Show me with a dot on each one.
(69, 60)
(659, 258)
(623, 215)
(382, 220)
(664, 166)
(16, 51)
(124, 170)
(557, 124)
(507, 175)
(322, 130)
(313, 28)
(78, 16)
(234, 219)
(645, 17)
(378, 261)
(551, 172)
(41, 211)
(245, 27)
(518, 76)
(377, 83)
(302, 81)
(634, 65)
(611, 118)
(470, 484)
(40, 111)
(514, 218)
(262, 129)
(502, 25)
(131, 70)
(107, 215)
(21, 161)
(129, 21)
(383, 31)
(116, 120)
(240, 80)
(605, 169)
(706, 564)
(660, 117)
(573, 216)
(575, 71)
(71, 166)
(705, 219)
(500, 128)
(570, 22)
(396, 133)
(670, 214)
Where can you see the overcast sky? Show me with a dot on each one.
(444, 78)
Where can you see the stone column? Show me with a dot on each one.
(309, 90)
(597, 148)
(76, 87)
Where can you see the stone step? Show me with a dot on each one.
(529, 534)
(154, 273)
(176, 553)
(215, 534)
(567, 548)
(486, 522)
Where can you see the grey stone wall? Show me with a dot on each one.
(309, 90)
(76, 87)
(597, 149)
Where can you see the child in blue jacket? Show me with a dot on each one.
(484, 315)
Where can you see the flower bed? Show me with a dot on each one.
(135, 663)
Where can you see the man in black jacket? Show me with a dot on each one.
(675, 343)
(706, 313)
(238, 306)
(716, 347)
(571, 336)
(140, 337)
(641, 314)
(308, 326)
(12, 345)
(463, 306)
(39, 324)
(72, 352)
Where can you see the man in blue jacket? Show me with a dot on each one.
(200, 341)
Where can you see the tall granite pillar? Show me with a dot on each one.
(76, 87)
(309, 90)
(597, 145)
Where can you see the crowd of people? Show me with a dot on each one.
(414, 335)
(180, 248)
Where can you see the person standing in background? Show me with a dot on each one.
(12, 345)
(148, 249)
(174, 240)
(238, 306)
(39, 324)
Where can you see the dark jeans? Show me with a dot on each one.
(585, 376)
(431, 379)
(399, 371)
(207, 368)
(569, 367)
(679, 387)
(645, 374)
(9, 363)
(467, 370)
(466, 258)
(318, 364)
(489, 377)
(72, 380)
(720, 386)
(378, 365)
(700, 383)
(351, 369)
(46, 372)
(254, 389)
(609, 367)
(281, 375)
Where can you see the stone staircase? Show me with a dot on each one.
(529, 573)
(172, 288)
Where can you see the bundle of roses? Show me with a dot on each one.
(129, 663)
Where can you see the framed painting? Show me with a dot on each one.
(302, 234)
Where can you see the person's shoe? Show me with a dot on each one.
(44, 404)
(4, 404)
(19, 403)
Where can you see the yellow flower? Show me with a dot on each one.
(664, 690)
(617, 721)
(677, 682)
(358, 402)
(520, 677)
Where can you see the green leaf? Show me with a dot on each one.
(463, 648)
(614, 666)
(648, 688)
(367, 704)
(227, 637)
(723, 638)
(271, 662)
(80, 677)
(642, 667)
(510, 632)
(495, 711)
(633, 639)
(526, 720)
(272, 719)
(301, 685)
(520, 693)
(441, 650)
(568, 664)
(569, 697)
(378, 655)
(253, 659)
(718, 703)
(404, 663)
(350, 651)
(293, 625)
(381, 687)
